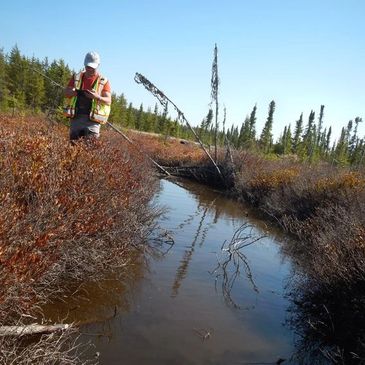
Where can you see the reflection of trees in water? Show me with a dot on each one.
(216, 202)
(208, 201)
(329, 321)
(188, 254)
(233, 260)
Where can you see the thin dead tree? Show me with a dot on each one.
(164, 100)
(214, 95)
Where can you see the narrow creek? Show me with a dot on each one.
(181, 306)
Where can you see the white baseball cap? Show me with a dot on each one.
(92, 59)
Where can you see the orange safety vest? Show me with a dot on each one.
(99, 111)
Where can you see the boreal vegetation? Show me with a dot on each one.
(312, 187)
(23, 89)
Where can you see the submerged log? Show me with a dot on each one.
(31, 329)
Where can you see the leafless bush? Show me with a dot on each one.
(55, 348)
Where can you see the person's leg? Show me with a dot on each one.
(78, 127)
(91, 135)
(75, 134)
(92, 130)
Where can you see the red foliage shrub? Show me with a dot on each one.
(67, 212)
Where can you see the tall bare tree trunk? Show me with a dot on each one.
(214, 95)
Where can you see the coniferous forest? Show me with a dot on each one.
(24, 89)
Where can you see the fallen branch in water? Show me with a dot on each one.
(32, 329)
(164, 100)
(229, 266)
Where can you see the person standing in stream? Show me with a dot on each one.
(87, 100)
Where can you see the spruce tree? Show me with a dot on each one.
(287, 142)
(354, 137)
(162, 122)
(4, 92)
(328, 139)
(266, 134)
(341, 148)
(59, 72)
(214, 94)
(149, 118)
(244, 135)
(309, 138)
(16, 76)
(140, 118)
(122, 102)
(204, 126)
(252, 134)
(130, 118)
(357, 157)
(155, 118)
(298, 133)
(235, 136)
(34, 88)
(320, 124)
(115, 116)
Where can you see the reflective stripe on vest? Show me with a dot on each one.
(69, 106)
(99, 111)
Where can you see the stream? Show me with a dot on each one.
(192, 302)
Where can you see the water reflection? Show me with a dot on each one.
(222, 207)
(97, 302)
(173, 312)
(188, 254)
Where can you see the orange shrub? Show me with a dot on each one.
(66, 211)
(344, 180)
(266, 181)
(169, 151)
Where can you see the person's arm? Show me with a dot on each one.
(70, 90)
(106, 97)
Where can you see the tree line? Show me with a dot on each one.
(308, 140)
(22, 88)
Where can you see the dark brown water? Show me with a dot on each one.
(175, 310)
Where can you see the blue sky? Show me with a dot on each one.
(300, 53)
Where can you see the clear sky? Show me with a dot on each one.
(300, 53)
